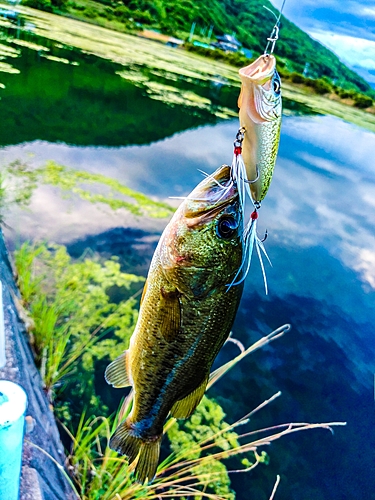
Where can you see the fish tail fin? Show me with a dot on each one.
(125, 442)
(148, 460)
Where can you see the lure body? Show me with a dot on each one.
(260, 115)
(186, 315)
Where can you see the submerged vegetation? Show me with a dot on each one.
(24, 179)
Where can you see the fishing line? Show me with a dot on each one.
(274, 36)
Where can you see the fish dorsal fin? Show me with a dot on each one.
(185, 407)
(144, 292)
(117, 373)
(170, 314)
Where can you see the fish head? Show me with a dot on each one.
(201, 248)
(260, 95)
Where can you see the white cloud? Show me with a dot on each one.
(354, 51)
(367, 12)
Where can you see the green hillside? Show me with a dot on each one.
(247, 19)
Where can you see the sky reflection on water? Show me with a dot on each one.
(322, 194)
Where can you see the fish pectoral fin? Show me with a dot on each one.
(185, 407)
(146, 453)
(117, 373)
(170, 314)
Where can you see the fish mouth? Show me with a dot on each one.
(211, 196)
(260, 71)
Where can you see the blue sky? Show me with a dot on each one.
(345, 26)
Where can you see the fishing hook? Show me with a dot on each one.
(274, 36)
(256, 178)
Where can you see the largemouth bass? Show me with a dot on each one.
(186, 313)
(260, 115)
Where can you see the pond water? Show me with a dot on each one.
(75, 109)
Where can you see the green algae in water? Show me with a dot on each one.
(8, 68)
(73, 313)
(29, 45)
(126, 49)
(71, 181)
(6, 51)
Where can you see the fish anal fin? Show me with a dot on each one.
(125, 442)
(185, 407)
(170, 314)
(117, 372)
(126, 406)
(145, 453)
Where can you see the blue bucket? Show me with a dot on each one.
(13, 402)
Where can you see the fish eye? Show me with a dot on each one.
(276, 86)
(226, 227)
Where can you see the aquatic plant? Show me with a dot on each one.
(76, 181)
(70, 306)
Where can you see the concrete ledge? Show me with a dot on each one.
(40, 474)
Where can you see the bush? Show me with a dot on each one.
(90, 12)
(297, 78)
(321, 86)
(77, 6)
(283, 72)
(346, 94)
(362, 101)
(142, 17)
(122, 12)
(45, 5)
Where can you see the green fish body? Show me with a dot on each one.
(260, 115)
(186, 314)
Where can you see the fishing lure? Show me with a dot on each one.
(257, 142)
